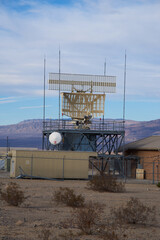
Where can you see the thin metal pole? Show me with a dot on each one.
(153, 174)
(31, 166)
(7, 145)
(104, 75)
(124, 100)
(103, 121)
(59, 83)
(44, 99)
(44, 90)
(63, 167)
(124, 95)
(105, 67)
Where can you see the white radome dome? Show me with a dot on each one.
(55, 138)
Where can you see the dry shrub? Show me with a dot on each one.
(158, 184)
(113, 235)
(87, 218)
(90, 221)
(44, 234)
(135, 212)
(67, 196)
(12, 194)
(110, 235)
(113, 231)
(67, 235)
(106, 183)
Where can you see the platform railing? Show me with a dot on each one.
(67, 124)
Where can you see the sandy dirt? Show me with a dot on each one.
(40, 212)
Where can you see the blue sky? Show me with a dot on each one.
(88, 32)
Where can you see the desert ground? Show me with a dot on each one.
(39, 212)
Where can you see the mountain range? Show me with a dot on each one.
(28, 133)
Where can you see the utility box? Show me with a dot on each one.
(50, 164)
(139, 173)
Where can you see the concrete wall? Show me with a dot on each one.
(50, 164)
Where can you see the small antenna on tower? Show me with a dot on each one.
(59, 82)
(124, 102)
(44, 96)
(124, 97)
(105, 67)
(44, 89)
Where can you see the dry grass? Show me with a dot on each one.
(44, 234)
(111, 230)
(43, 214)
(110, 235)
(69, 235)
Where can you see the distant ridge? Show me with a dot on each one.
(28, 133)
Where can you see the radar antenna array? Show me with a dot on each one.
(77, 91)
(82, 83)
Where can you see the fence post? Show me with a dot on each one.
(31, 165)
(153, 173)
(158, 171)
(63, 167)
(125, 170)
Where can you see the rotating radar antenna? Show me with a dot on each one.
(83, 96)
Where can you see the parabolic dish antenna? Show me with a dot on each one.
(55, 138)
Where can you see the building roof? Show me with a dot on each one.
(5, 149)
(149, 143)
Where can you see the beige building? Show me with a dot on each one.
(50, 164)
(5, 156)
(144, 154)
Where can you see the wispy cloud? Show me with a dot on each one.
(32, 107)
(7, 100)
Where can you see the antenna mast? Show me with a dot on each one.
(44, 88)
(124, 100)
(59, 83)
(124, 97)
(105, 67)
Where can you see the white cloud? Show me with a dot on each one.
(88, 32)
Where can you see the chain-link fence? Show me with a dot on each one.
(63, 167)
(145, 168)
